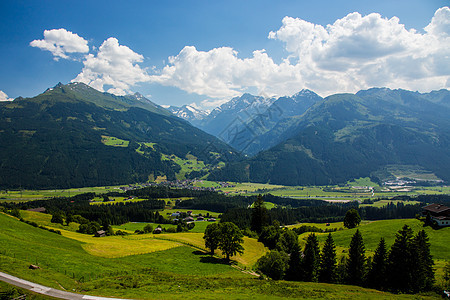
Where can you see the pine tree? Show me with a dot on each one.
(294, 271)
(400, 262)
(376, 277)
(356, 264)
(259, 215)
(288, 242)
(311, 259)
(328, 263)
(423, 278)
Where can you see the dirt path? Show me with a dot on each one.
(40, 289)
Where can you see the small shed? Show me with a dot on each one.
(100, 233)
(200, 218)
(157, 230)
(211, 220)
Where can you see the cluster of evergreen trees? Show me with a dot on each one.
(407, 267)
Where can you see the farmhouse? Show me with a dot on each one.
(440, 214)
(100, 233)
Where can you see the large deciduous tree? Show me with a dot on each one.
(274, 264)
(352, 218)
(212, 237)
(230, 240)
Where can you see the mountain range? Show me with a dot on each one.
(73, 135)
(347, 136)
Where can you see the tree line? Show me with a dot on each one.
(323, 213)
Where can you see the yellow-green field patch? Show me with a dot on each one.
(382, 203)
(118, 246)
(253, 249)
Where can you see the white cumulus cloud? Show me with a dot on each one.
(114, 65)
(353, 53)
(357, 52)
(61, 42)
(4, 97)
(221, 73)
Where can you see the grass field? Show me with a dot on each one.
(119, 246)
(114, 142)
(132, 227)
(373, 231)
(382, 203)
(8, 291)
(187, 164)
(28, 195)
(253, 249)
(175, 273)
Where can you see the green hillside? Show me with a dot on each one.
(65, 138)
(373, 231)
(170, 274)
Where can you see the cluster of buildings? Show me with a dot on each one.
(189, 217)
(188, 184)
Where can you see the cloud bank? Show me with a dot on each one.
(61, 42)
(355, 52)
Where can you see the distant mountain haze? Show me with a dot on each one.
(347, 136)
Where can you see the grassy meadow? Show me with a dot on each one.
(372, 231)
(173, 273)
(164, 266)
(175, 265)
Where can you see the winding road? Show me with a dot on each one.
(37, 288)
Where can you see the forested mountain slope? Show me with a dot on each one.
(73, 136)
(347, 136)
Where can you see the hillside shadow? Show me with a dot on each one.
(213, 260)
(208, 259)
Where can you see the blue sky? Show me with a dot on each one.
(221, 49)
